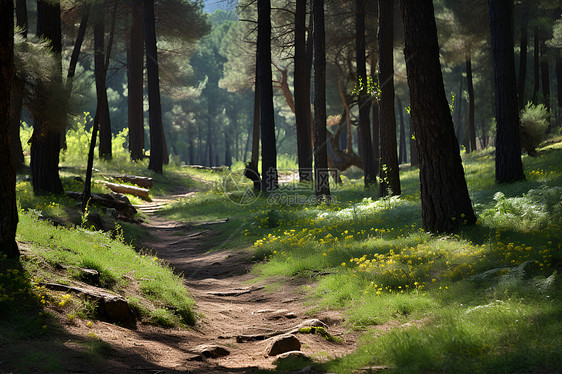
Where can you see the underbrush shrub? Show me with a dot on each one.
(536, 209)
(533, 124)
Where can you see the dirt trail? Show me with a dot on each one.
(230, 302)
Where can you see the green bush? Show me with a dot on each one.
(533, 123)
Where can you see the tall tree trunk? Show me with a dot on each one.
(375, 106)
(211, 153)
(470, 88)
(77, 47)
(16, 106)
(558, 70)
(523, 58)
(267, 117)
(8, 207)
(302, 95)
(536, 64)
(508, 141)
(17, 93)
(364, 101)
(321, 172)
(47, 130)
(414, 155)
(309, 60)
(135, 58)
(459, 128)
(402, 157)
(444, 195)
(154, 106)
(484, 136)
(545, 75)
(256, 126)
(227, 154)
(347, 111)
(390, 178)
(99, 67)
(191, 153)
(21, 17)
(247, 143)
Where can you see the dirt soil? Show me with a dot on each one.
(230, 301)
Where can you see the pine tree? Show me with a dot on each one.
(444, 194)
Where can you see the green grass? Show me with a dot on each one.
(118, 263)
(486, 299)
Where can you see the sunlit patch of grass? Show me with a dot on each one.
(116, 261)
(477, 290)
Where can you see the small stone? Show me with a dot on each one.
(210, 351)
(265, 311)
(278, 314)
(194, 357)
(291, 354)
(281, 344)
(290, 315)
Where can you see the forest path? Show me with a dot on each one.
(230, 302)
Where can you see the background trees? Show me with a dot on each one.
(206, 85)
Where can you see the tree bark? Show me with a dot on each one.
(321, 172)
(227, 154)
(545, 75)
(558, 70)
(536, 64)
(402, 157)
(523, 58)
(45, 149)
(47, 130)
(21, 17)
(459, 128)
(376, 115)
(210, 149)
(77, 47)
(101, 91)
(470, 89)
(135, 54)
(154, 105)
(302, 95)
(444, 195)
(16, 106)
(414, 155)
(267, 116)
(389, 173)
(508, 141)
(347, 111)
(8, 207)
(364, 101)
(17, 92)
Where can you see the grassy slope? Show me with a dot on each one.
(485, 299)
(27, 309)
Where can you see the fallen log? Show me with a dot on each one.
(144, 182)
(211, 168)
(113, 200)
(123, 188)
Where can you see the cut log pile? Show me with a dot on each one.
(125, 188)
(144, 182)
(211, 168)
(117, 201)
